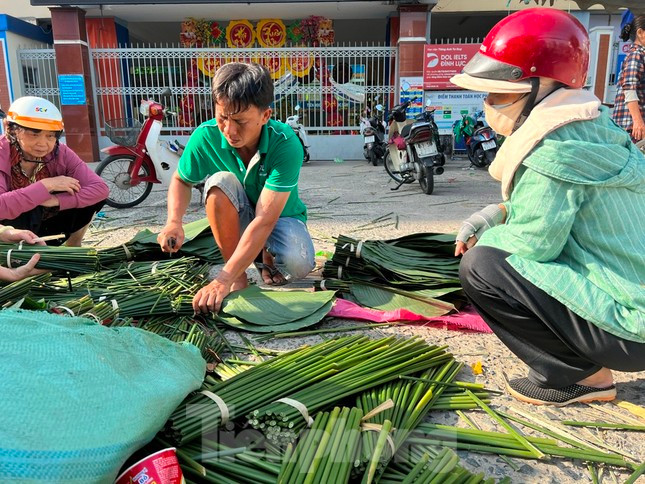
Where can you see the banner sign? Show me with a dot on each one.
(451, 105)
(442, 61)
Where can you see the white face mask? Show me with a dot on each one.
(503, 117)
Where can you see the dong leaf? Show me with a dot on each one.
(385, 299)
(271, 308)
(297, 324)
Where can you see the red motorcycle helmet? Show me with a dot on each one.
(531, 43)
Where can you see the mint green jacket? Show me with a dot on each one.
(576, 224)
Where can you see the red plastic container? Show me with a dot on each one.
(159, 468)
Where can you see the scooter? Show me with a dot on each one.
(138, 158)
(296, 125)
(373, 131)
(414, 151)
(480, 139)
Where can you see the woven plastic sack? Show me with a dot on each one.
(77, 398)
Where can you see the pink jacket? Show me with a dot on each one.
(67, 163)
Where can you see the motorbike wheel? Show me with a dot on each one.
(373, 158)
(490, 156)
(391, 170)
(426, 180)
(115, 172)
(479, 158)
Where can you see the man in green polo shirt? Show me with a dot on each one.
(251, 164)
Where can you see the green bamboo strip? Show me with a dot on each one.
(520, 438)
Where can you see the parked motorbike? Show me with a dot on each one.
(296, 125)
(373, 131)
(480, 139)
(414, 151)
(139, 158)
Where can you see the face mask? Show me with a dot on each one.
(503, 117)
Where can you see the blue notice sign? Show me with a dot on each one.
(72, 89)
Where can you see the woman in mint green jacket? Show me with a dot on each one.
(558, 271)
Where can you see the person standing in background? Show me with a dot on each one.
(629, 109)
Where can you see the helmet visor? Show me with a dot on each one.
(488, 68)
(488, 85)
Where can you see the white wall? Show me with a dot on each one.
(14, 42)
(22, 9)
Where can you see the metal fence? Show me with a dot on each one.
(38, 74)
(331, 85)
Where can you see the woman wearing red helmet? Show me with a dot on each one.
(44, 186)
(558, 266)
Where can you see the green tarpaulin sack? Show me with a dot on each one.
(77, 398)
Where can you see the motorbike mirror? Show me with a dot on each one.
(166, 93)
(428, 103)
(297, 107)
(379, 107)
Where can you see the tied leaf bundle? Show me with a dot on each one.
(211, 461)
(401, 262)
(260, 385)
(136, 289)
(417, 464)
(368, 364)
(78, 260)
(12, 292)
(261, 311)
(325, 452)
(198, 243)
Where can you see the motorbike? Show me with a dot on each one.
(373, 130)
(480, 139)
(138, 159)
(296, 125)
(414, 151)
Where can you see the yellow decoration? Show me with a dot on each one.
(271, 33)
(240, 34)
(301, 64)
(477, 368)
(276, 65)
(208, 65)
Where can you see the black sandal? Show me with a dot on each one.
(273, 271)
(525, 390)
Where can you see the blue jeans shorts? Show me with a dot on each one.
(290, 243)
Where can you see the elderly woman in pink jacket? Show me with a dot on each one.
(44, 186)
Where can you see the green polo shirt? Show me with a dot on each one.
(275, 166)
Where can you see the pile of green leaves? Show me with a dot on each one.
(418, 272)
(264, 311)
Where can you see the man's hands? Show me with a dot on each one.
(13, 235)
(209, 298)
(171, 237)
(61, 184)
(474, 226)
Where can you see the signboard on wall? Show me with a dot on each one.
(72, 89)
(412, 90)
(451, 105)
(442, 61)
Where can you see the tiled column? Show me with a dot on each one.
(413, 23)
(72, 57)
